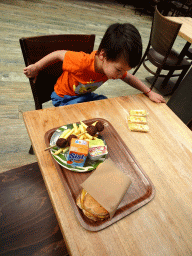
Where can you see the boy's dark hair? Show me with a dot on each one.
(122, 39)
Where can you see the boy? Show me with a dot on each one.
(120, 50)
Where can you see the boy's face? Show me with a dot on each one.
(114, 69)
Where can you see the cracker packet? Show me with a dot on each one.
(138, 112)
(138, 127)
(137, 119)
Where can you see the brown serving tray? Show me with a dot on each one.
(139, 193)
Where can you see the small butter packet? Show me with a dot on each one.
(137, 119)
(138, 127)
(95, 153)
(97, 149)
(138, 112)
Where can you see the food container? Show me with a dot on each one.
(78, 152)
(96, 153)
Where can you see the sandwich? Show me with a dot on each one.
(90, 207)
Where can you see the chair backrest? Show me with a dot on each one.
(188, 3)
(163, 33)
(183, 2)
(35, 48)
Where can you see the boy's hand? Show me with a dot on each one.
(31, 71)
(156, 97)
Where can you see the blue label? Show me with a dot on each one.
(76, 157)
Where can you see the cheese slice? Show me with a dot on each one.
(138, 127)
(138, 112)
(138, 119)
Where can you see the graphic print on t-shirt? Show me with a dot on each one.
(85, 88)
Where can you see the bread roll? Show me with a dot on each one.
(90, 207)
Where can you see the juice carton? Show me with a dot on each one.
(78, 152)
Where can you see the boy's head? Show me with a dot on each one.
(122, 40)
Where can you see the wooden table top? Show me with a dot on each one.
(163, 226)
(186, 29)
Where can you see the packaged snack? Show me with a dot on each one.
(97, 149)
(138, 119)
(97, 152)
(138, 113)
(138, 127)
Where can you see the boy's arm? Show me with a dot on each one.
(136, 83)
(33, 69)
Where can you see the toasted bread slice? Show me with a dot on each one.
(93, 207)
(90, 216)
(90, 207)
(78, 201)
(82, 197)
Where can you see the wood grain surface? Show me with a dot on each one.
(28, 224)
(162, 227)
(140, 193)
(186, 29)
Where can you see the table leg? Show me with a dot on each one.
(184, 51)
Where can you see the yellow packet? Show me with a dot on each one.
(137, 119)
(138, 127)
(138, 113)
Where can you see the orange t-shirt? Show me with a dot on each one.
(79, 75)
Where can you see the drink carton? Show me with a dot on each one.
(78, 152)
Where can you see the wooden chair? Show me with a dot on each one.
(180, 7)
(160, 52)
(28, 222)
(189, 53)
(35, 48)
(147, 7)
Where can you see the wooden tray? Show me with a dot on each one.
(140, 192)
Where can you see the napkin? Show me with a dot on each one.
(107, 185)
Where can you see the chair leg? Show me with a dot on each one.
(141, 62)
(135, 71)
(31, 152)
(166, 80)
(156, 77)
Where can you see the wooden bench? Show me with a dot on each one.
(28, 225)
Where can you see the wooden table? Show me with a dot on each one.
(186, 29)
(163, 226)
